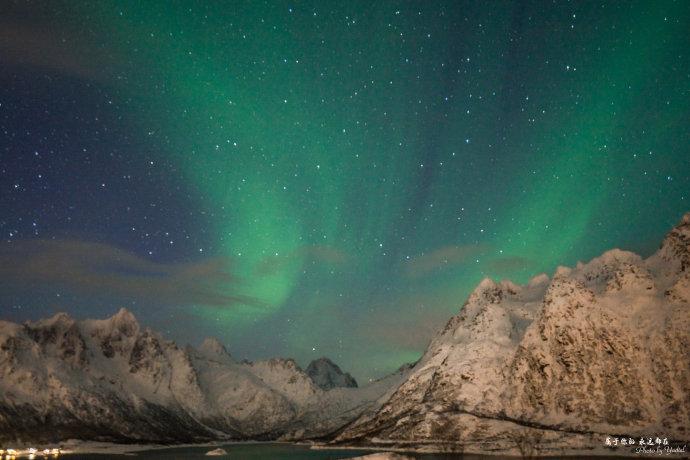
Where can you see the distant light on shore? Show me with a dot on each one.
(31, 453)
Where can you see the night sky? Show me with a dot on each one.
(328, 178)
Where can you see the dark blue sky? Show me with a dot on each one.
(318, 178)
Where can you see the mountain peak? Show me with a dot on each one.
(124, 315)
(60, 376)
(685, 220)
(60, 318)
(682, 228)
(125, 321)
(211, 347)
(59, 334)
(486, 292)
(541, 279)
(326, 374)
(674, 253)
(532, 358)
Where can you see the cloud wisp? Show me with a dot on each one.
(97, 269)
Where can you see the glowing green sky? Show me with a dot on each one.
(365, 164)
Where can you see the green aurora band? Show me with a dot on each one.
(365, 165)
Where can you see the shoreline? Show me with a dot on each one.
(72, 447)
(468, 450)
(478, 450)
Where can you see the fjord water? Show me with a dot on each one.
(269, 451)
(261, 451)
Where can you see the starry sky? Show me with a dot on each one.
(328, 178)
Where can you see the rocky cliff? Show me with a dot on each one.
(326, 375)
(555, 365)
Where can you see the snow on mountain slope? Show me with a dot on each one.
(343, 405)
(241, 401)
(114, 380)
(285, 377)
(602, 348)
(56, 382)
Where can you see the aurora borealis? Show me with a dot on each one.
(352, 168)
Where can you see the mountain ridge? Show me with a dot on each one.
(114, 380)
(556, 360)
(553, 366)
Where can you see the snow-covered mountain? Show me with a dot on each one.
(326, 374)
(559, 363)
(114, 380)
(601, 349)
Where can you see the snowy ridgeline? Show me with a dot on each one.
(113, 380)
(560, 363)
(555, 365)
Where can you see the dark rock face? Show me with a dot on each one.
(326, 375)
(675, 249)
(62, 333)
(579, 360)
(147, 356)
(101, 419)
(113, 336)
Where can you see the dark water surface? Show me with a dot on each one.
(254, 452)
(251, 452)
(277, 451)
